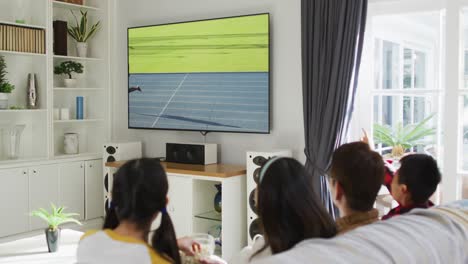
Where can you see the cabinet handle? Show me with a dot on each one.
(34, 171)
(90, 165)
(24, 172)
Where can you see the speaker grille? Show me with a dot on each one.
(111, 150)
(259, 160)
(185, 153)
(252, 201)
(254, 228)
(110, 159)
(106, 182)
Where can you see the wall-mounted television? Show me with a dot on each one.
(209, 75)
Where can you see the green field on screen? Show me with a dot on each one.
(237, 44)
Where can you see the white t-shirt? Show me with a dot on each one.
(106, 246)
(245, 256)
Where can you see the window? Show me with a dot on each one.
(401, 95)
(463, 110)
(411, 68)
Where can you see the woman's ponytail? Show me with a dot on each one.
(111, 221)
(164, 239)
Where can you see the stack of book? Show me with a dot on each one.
(22, 39)
(76, 2)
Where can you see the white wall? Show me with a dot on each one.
(286, 104)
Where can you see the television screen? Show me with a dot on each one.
(209, 75)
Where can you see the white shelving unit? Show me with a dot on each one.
(43, 136)
(43, 173)
(58, 4)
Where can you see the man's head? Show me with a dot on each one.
(356, 173)
(416, 179)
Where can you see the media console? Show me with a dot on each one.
(191, 201)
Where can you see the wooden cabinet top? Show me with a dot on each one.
(212, 170)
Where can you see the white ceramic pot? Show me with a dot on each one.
(71, 143)
(82, 49)
(70, 83)
(3, 101)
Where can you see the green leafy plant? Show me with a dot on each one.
(68, 67)
(402, 137)
(56, 217)
(16, 107)
(80, 30)
(5, 86)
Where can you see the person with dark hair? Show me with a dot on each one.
(288, 210)
(414, 183)
(355, 177)
(139, 195)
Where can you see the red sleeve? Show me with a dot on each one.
(388, 178)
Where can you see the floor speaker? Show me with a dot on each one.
(255, 160)
(117, 152)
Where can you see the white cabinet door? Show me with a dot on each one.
(43, 190)
(94, 189)
(71, 191)
(14, 209)
(180, 204)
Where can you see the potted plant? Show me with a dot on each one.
(402, 137)
(54, 220)
(67, 68)
(5, 87)
(81, 33)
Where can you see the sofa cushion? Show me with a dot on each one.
(437, 235)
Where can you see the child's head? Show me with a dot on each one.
(288, 207)
(357, 174)
(416, 179)
(139, 194)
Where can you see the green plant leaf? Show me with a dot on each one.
(80, 31)
(383, 135)
(416, 132)
(56, 217)
(406, 136)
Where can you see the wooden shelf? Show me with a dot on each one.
(22, 53)
(76, 58)
(21, 25)
(59, 4)
(23, 111)
(20, 160)
(213, 215)
(77, 121)
(77, 89)
(80, 155)
(212, 170)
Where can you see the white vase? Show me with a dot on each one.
(70, 83)
(82, 49)
(3, 101)
(70, 143)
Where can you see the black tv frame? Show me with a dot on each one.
(204, 132)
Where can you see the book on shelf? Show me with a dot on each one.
(76, 2)
(22, 39)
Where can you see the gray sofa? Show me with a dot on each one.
(437, 235)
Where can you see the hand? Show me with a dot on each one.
(364, 137)
(212, 260)
(188, 246)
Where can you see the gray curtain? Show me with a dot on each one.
(332, 40)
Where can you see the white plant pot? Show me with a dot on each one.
(82, 49)
(70, 83)
(3, 101)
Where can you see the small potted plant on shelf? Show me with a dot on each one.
(402, 137)
(81, 32)
(54, 219)
(5, 87)
(67, 68)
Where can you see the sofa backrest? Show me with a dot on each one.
(437, 235)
